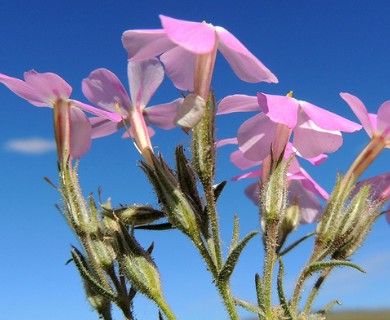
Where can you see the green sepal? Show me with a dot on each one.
(186, 178)
(235, 234)
(282, 297)
(318, 266)
(232, 259)
(249, 306)
(86, 275)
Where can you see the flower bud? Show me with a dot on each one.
(289, 223)
(134, 215)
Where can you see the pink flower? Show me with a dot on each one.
(181, 41)
(303, 189)
(376, 125)
(104, 89)
(316, 131)
(188, 51)
(50, 90)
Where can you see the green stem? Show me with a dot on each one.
(166, 310)
(225, 292)
(269, 266)
(316, 288)
(213, 216)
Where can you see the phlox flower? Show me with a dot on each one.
(105, 90)
(376, 125)
(302, 188)
(50, 90)
(315, 130)
(188, 51)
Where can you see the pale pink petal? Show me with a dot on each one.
(105, 90)
(310, 184)
(96, 111)
(310, 206)
(244, 64)
(163, 115)
(238, 103)
(311, 140)
(378, 184)
(280, 109)
(360, 111)
(103, 127)
(80, 133)
(316, 160)
(180, 67)
(383, 124)
(248, 175)
(225, 142)
(23, 90)
(253, 192)
(197, 37)
(49, 86)
(328, 120)
(255, 137)
(239, 160)
(145, 44)
(144, 78)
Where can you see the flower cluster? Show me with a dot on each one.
(113, 265)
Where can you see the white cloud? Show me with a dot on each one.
(30, 145)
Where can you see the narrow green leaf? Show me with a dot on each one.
(293, 245)
(317, 266)
(260, 293)
(86, 275)
(232, 259)
(236, 234)
(282, 297)
(249, 306)
(329, 307)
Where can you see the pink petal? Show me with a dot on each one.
(180, 67)
(239, 160)
(225, 142)
(145, 44)
(104, 89)
(248, 175)
(388, 215)
(310, 184)
(96, 111)
(384, 120)
(197, 37)
(311, 140)
(144, 78)
(80, 133)
(163, 115)
(360, 111)
(328, 120)
(49, 86)
(280, 109)
(378, 184)
(244, 64)
(255, 137)
(310, 206)
(103, 127)
(253, 192)
(238, 103)
(23, 90)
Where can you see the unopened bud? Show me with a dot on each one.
(289, 223)
(134, 215)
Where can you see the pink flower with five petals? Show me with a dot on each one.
(50, 90)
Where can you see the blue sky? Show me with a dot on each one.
(316, 48)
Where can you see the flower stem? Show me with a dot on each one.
(225, 292)
(269, 265)
(314, 292)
